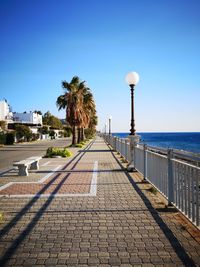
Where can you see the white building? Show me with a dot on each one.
(29, 118)
(5, 113)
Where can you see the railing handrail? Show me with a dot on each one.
(176, 177)
(190, 156)
(187, 164)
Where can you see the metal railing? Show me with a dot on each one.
(177, 179)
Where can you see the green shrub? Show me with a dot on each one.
(35, 136)
(10, 138)
(23, 132)
(56, 151)
(79, 145)
(66, 153)
(2, 138)
(52, 134)
(67, 131)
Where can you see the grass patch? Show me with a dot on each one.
(56, 151)
(153, 190)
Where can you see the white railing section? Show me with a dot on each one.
(176, 179)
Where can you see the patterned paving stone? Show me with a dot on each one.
(117, 227)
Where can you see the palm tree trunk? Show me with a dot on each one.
(74, 135)
(82, 134)
(79, 135)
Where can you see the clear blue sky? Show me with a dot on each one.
(46, 41)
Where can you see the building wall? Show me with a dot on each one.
(5, 114)
(31, 117)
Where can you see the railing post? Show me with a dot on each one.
(111, 143)
(145, 161)
(134, 154)
(118, 144)
(170, 177)
(126, 149)
(109, 139)
(115, 143)
(121, 145)
(134, 139)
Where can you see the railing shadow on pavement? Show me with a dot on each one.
(176, 245)
(15, 244)
(79, 171)
(97, 150)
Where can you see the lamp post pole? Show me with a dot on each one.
(110, 118)
(132, 79)
(132, 130)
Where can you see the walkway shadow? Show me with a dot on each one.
(79, 171)
(176, 245)
(15, 244)
(97, 150)
(7, 171)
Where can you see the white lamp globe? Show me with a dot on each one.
(110, 118)
(132, 78)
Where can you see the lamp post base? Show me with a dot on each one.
(134, 139)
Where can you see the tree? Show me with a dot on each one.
(71, 102)
(23, 132)
(52, 121)
(79, 104)
(43, 130)
(38, 112)
(90, 111)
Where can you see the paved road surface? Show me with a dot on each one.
(9, 154)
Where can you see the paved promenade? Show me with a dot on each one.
(88, 211)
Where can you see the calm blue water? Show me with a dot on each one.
(182, 141)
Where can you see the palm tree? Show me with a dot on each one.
(79, 104)
(86, 110)
(71, 101)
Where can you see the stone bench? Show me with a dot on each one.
(31, 163)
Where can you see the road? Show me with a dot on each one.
(16, 152)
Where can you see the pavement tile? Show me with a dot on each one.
(114, 228)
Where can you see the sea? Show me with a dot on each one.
(189, 141)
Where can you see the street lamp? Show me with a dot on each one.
(132, 78)
(110, 118)
(105, 127)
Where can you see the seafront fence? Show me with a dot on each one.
(177, 179)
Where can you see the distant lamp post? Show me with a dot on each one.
(105, 128)
(110, 118)
(132, 78)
